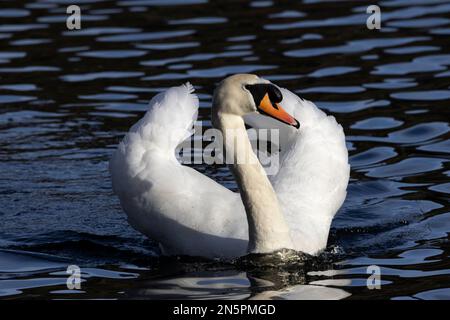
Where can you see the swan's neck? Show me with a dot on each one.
(267, 227)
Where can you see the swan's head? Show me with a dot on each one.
(242, 94)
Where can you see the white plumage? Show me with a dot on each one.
(312, 179)
(191, 214)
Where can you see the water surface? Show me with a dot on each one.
(68, 97)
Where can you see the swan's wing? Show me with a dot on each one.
(313, 172)
(187, 212)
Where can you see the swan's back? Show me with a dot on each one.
(313, 172)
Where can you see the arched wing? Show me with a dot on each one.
(174, 204)
(313, 170)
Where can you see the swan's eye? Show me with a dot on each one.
(259, 90)
(267, 98)
(274, 94)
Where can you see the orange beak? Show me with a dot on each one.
(274, 110)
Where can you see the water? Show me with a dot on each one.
(68, 97)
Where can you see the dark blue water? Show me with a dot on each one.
(68, 97)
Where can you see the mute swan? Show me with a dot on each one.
(191, 214)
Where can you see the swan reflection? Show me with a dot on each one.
(234, 285)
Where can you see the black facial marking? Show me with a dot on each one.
(259, 90)
(274, 94)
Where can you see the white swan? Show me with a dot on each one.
(191, 214)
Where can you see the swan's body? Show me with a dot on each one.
(191, 214)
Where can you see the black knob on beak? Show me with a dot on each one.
(259, 90)
(274, 94)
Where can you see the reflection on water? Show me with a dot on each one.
(232, 285)
(68, 97)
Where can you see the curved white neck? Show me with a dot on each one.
(268, 230)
